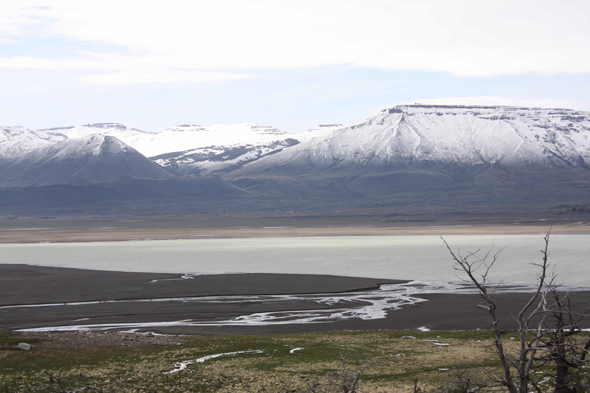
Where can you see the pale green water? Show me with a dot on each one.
(396, 257)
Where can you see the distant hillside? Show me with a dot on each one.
(79, 160)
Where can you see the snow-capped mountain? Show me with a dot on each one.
(17, 141)
(408, 154)
(184, 149)
(420, 136)
(179, 138)
(193, 149)
(184, 137)
(79, 160)
(130, 136)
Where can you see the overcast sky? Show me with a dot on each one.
(290, 64)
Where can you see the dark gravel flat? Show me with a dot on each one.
(23, 284)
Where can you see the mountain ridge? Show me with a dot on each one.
(79, 160)
(449, 156)
(407, 135)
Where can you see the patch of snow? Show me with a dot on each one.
(183, 137)
(183, 365)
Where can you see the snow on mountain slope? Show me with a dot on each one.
(320, 129)
(206, 150)
(184, 137)
(131, 136)
(17, 141)
(223, 155)
(413, 135)
(180, 138)
(111, 129)
(215, 159)
(79, 160)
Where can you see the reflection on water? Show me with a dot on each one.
(393, 257)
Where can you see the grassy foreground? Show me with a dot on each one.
(126, 362)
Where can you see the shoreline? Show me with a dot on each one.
(234, 304)
(49, 234)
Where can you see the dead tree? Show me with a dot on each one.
(563, 348)
(545, 324)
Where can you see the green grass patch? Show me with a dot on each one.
(396, 359)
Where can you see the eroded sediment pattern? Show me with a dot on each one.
(364, 305)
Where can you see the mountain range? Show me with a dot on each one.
(408, 155)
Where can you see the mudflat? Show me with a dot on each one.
(31, 297)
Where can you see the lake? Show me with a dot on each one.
(394, 257)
